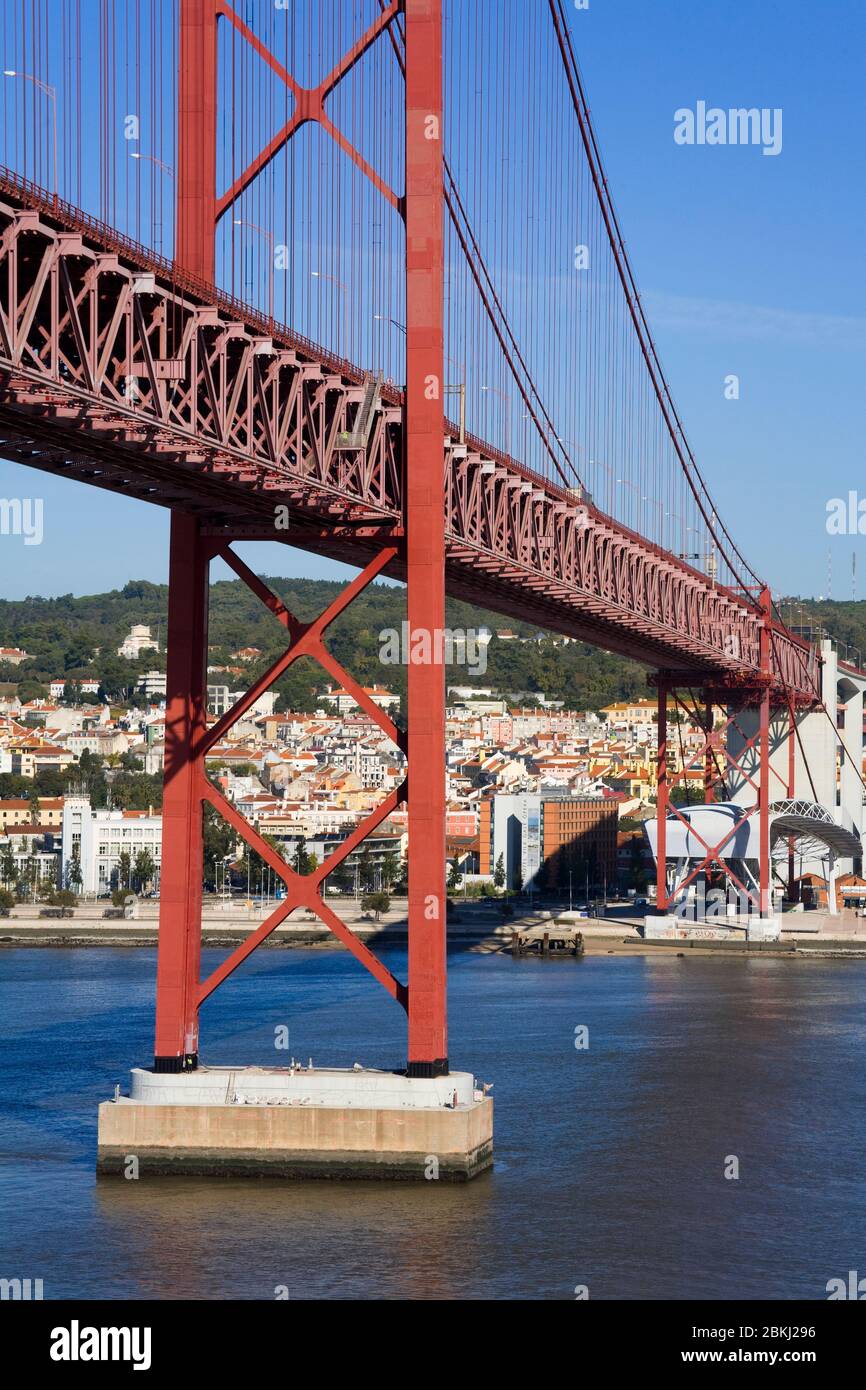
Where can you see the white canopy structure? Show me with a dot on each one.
(802, 826)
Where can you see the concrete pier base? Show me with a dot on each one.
(297, 1123)
(745, 929)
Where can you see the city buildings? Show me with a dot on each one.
(537, 787)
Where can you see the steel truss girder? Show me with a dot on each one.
(238, 422)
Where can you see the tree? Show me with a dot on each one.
(50, 781)
(61, 897)
(136, 791)
(499, 872)
(73, 871)
(219, 842)
(35, 809)
(401, 885)
(30, 690)
(680, 795)
(254, 868)
(79, 653)
(31, 872)
(8, 865)
(124, 869)
(91, 776)
(12, 784)
(143, 869)
(376, 903)
(637, 877)
(302, 862)
(390, 869)
(455, 877)
(366, 871)
(341, 878)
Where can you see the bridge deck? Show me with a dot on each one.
(121, 371)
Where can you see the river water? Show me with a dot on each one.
(610, 1159)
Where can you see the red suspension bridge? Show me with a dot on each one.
(396, 301)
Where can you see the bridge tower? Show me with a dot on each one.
(372, 1123)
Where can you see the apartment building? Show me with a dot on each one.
(542, 837)
(16, 811)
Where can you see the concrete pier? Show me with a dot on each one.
(670, 927)
(296, 1123)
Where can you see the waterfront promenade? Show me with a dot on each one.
(474, 926)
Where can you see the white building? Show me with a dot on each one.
(136, 641)
(103, 742)
(346, 703)
(86, 685)
(35, 851)
(220, 699)
(97, 839)
(153, 684)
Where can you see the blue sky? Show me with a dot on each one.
(748, 264)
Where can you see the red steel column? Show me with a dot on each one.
(177, 975)
(196, 138)
(662, 801)
(709, 760)
(425, 535)
(764, 782)
(792, 782)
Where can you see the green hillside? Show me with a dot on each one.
(70, 636)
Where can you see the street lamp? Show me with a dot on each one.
(51, 93)
(344, 288)
(386, 318)
(153, 159)
(581, 449)
(269, 238)
(169, 172)
(507, 402)
(458, 389)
